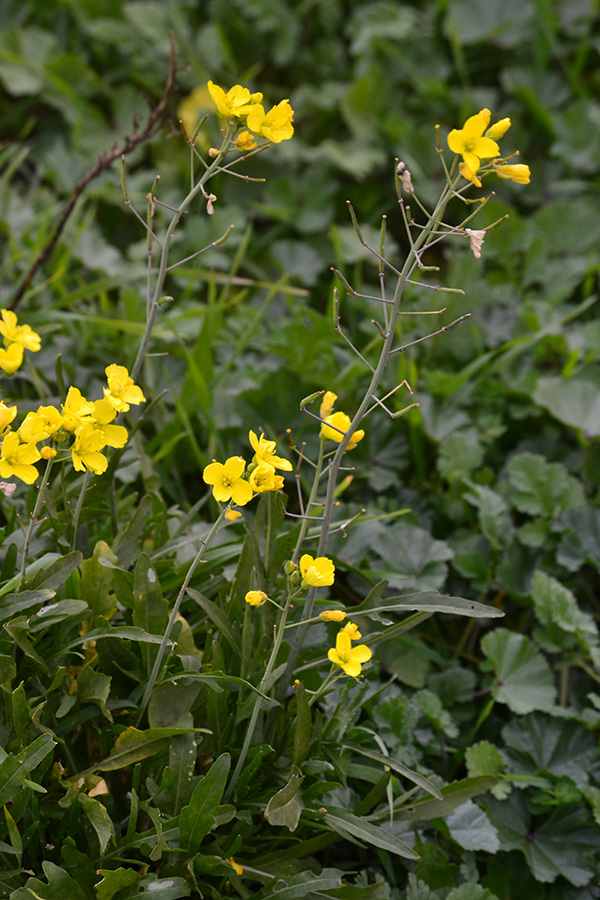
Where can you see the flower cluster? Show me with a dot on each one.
(245, 110)
(236, 482)
(336, 424)
(87, 426)
(349, 658)
(17, 338)
(475, 141)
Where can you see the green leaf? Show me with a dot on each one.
(14, 769)
(471, 892)
(543, 488)
(99, 818)
(150, 609)
(574, 401)
(426, 601)
(197, 819)
(460, 454)
(218, 617)
(412, 558)
(541, 742)
(94, 687)
(59, 886)
(494, 514)
(524, 680)
(397, 766)
(113, 880)
(431, 706)
(302, 727)
(346, 824)
(484, 758)
(556, 606)
(454, 795)
(561, 845)
(582, 540)
(151, 887)
(57, 572)
(127, 542)
(304, 884)
(13, 604)
(133, 745)
(96, 583)
(285, 807)
(471, 828)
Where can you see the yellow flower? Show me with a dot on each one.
(352, 631)
(238, 101)
(227, 482)
(263, 478)
(121, 390)
(114, 435)
(327, 404)
(348, 657)
(256, 598)
(239, 870)
(18, 334)
(332, 615)
(319, 572)
(276, 125)
(85, 451)
(17, 459)
(47, 452)
(76, 410)
(245, 141)
(470, 143)
(264, 454)
(498, 129)
(467, 173)
(38, 426)
(11, 358)
(519, 172)
(232, 515)
(7, 414)
(341, 423)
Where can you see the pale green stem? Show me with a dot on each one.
(79, 506)
(164, 256)
(366, 403)
(173, 617)
(333, 676)
(311, 502)
(279, 633)
(33, 522)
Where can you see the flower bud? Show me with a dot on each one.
(332, 615)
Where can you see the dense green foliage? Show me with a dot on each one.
(488, 491)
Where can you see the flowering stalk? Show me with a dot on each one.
(208, 173)
(408, 268)
(279, 631)
(174, 613)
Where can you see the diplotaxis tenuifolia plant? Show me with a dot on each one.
(182, 709)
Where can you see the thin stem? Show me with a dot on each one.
(164, 256)
(33, 522)
(173, 617)
(79, 507)
(279, 631)
(411, 262)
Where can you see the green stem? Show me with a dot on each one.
(279, 630)
(164, 256)
(79, 507)
(335, 464)
(33, 522)
(311, 502)
(173, 617)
